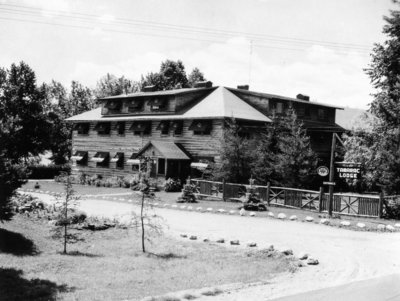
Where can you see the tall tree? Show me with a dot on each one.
(236, 154)
(110, 85)
(81, 99)
(172, 75)
(383, 162)
(24, 128)
(195, 76)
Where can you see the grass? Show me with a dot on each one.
(170, 199)
(108, 265)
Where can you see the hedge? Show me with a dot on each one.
(47, 171)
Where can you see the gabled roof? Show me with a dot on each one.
(221, 103)
(169, 150)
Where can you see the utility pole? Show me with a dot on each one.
(331, 174)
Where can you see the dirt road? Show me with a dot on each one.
(344, 255)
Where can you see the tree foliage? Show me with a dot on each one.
(378, 150)
(172, 75)
(236, 154)
(110, 85)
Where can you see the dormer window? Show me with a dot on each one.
(120, 127)
(163, 126)
(321, 114)
(141, 128)
(201, 127)
(135, 105)
(113, 106)
(157, 104)
(177, 127)
(103, 128)
(82, 128)
(279, 108)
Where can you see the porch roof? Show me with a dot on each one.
(169, 150)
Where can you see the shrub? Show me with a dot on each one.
(47, 171)
(392, 212)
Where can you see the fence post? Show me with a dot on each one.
(268, 190)
(223, 189)
(380, 205)
(321, 195)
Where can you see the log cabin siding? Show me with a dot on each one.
(128, 143)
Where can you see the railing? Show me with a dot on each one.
(346, 204)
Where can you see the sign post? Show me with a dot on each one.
(331, 174)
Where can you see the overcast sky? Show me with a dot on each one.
(284, 47)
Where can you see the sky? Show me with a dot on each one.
(285, 47)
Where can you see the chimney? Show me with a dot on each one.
(243, 87)
(149, 88)
(303, 97)
(204, 84)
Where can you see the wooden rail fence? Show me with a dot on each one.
(346, 204)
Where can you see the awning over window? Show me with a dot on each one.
(200, 125)
(163, 125)
(79, 155)
(82, 127)
(117, 157)
(133, 159)
(100, 157)
(141, 126)
(113, 105)
(199, 166)
(103, 126)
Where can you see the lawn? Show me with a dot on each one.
(109, 265)
(124, 194)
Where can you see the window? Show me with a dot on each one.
(157, 104)
(102, 159)
(201, 127)
(301, 111)
(103, 128)
(134, 161)
(135, 105)
(321, 114)
(141, 128)
(113, 106)
(161, 166)
(177, 127)
(279, 107)
(82, 128)
(163, 126)
(80, 157)
(119, 160)
(120, 128)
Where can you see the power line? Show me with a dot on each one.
(215, 35)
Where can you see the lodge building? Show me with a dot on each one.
(172, 131)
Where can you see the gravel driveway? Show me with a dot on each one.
(344, 255)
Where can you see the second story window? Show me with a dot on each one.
(135, 105)
(321, 114)
(103, 128)
(82, 128)
(113, 106)
(140, 128)
(157, 104)
(201, 127)
(163, 126)
(279, 108)
(120, 127)
(177, 127)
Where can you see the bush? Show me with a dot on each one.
(47, 171)
(392, 212)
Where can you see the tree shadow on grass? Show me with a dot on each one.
(13, 287)
(16, 244)
(167, 256)
(78, 253)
